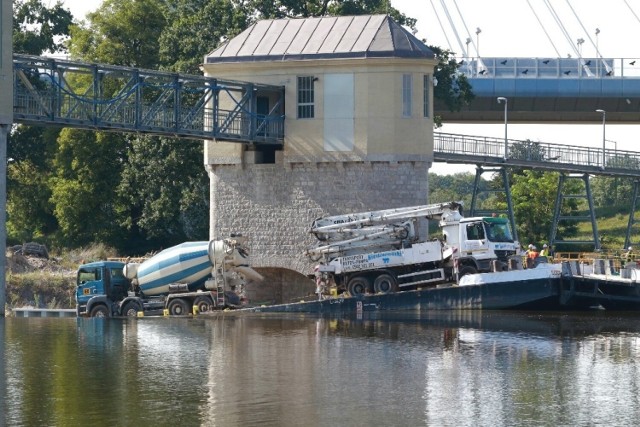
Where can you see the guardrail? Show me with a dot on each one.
(531, 68)
(477, 149)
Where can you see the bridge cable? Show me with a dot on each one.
(479, 65)
(634, 14)
(544, 29)
(453, 27)
(562, 28)
(583, 63)
(441, 26)
(606, 66)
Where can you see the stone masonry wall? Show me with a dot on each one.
(274, 204)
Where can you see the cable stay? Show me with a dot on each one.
(543, 28)
(632, 12)
(453, 27)
(435, 12)
(584, 64)
(555, 16)
(479, 66)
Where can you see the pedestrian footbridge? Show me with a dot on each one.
(106, 97)
(550, 90)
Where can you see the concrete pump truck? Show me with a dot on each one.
(389, 250)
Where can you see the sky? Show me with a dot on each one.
(519, 28)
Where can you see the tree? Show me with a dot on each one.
(453, 88)
(183, 43)
(448, 188)
(164, 190)
(87, 168)
(527, 150)
(29, 212)
(121, 32)
(38, 29)
(532, 193)
(275, 9)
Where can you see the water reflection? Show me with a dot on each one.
(443, 368)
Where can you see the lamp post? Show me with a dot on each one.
(604, 140)
(579, 42)
(506, 149)
(478, 31)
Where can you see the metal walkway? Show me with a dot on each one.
(494, 155)
(105, 97)
(550, 90)
(488, 151)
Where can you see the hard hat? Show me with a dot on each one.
(545, 246)
(534, 248)
(530, 246)
(629, 248)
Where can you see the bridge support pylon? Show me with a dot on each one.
(557, 216)
(507, 193)
(632, 220)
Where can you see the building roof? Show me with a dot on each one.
(363, 36)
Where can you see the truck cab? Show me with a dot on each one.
(480, 240)
(98, 285)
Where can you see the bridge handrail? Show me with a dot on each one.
(553, 68)
(477, 147)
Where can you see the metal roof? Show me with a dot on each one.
(363, 36)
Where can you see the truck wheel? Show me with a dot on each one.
(99, 310)
(131, 309)
(204, 304)
(178, 307)
(384, 284)
(467, 269)
(359, 285)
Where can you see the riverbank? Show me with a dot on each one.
(45, 281)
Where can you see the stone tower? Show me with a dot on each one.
(358, 135)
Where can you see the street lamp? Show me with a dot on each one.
(604, 140)
(580, 41)
(503, 99)
(478, 31)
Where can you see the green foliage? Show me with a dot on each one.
(29, 212)
(526, 150)
(533, 194)
(164, 191)
(274, 9)
(38, 29)
(456, 187)
(453, 88)
(183, 42)
(87, 170)
(121, 32)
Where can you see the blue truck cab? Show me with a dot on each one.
(99, 287)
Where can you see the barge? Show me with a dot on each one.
(560, 287)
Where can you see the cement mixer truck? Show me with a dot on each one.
(193, 276)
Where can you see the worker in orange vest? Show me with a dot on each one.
(532, 254)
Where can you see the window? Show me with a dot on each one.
(425, 95)
(475, 231)
(305, 97)
(407, 86)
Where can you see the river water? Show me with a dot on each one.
(440, 369)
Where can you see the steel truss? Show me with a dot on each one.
(105, 97)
